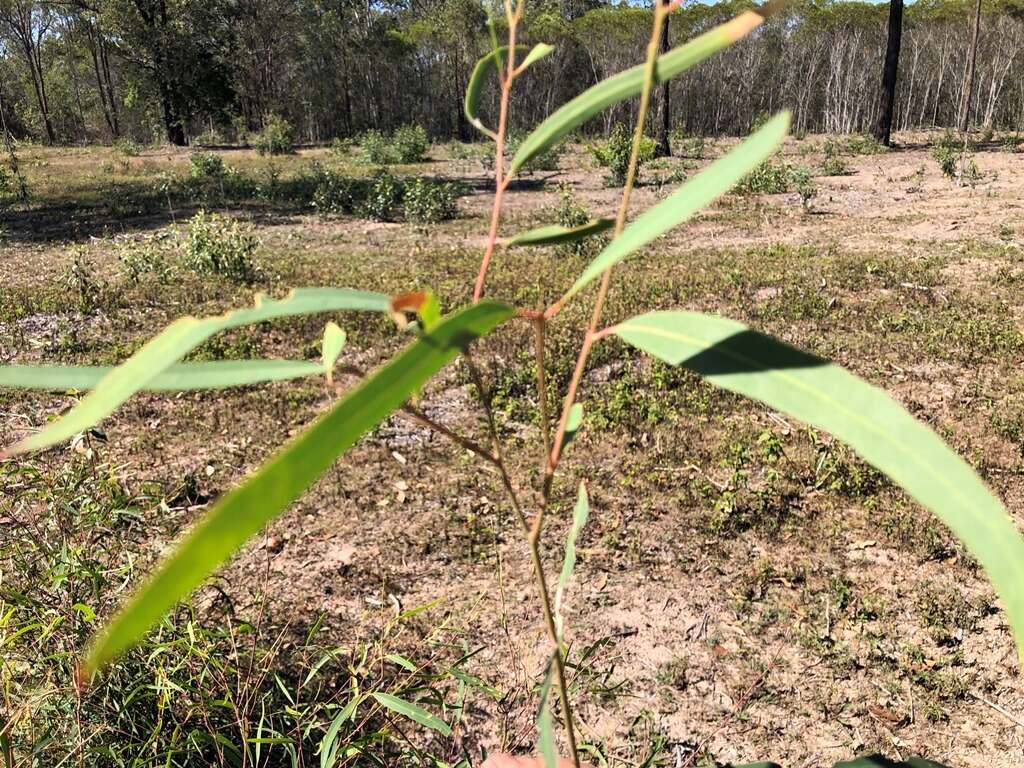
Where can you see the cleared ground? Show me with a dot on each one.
(746, 588)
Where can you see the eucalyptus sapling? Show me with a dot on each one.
(724, 352)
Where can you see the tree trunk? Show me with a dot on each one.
(972, 57)
(664, 147)
(883, 128)
(172, 124)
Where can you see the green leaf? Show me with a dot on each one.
(328, 749)
(556, 234)
(403, 662)
(330, 349)
(715, 180)
(245, 510)
(414, 712)
(176, 341)
(487, 64)
(629, 83)
(538, 52)
(572, 424)
(579, 519)
(545, 724)
(215, 374)
(430, 312)
(824, 395)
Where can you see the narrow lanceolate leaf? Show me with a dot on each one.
(216, 374)
(824, 395)
(629, 83)
(486, 65)
(538, 52)
(717, 179)
(414, 712)
(264, 495)
(330, 349)
(545, 723)
(556, 234)
(579, 519)
(176, 341)
(572, 424)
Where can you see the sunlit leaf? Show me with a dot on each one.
(414, 712)
(629, 83)
(572, 424)
(430, 312)
(695, 194)
(333, 342)
(214, 374)
(824, 395)
(176, 341)
(538, 52)
(579, 519)
(557, 234)
(260, 498)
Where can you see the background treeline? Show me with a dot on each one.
(182, 70)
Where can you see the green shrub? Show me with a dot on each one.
(572, 214)
(222, 246)
(947, 158)
(804, 185)
(342, 146)
(336, 194)
(769, 178)
(276, 138)
(205, 165)
(428, 202)
(864, 144)
(145, 256)
(833, 165)
(692, 147)
(614, 154)
(383, 198)
(375, 148)
(127, 147)
(409, 143)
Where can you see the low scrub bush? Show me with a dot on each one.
(769, 178)
(205, 165)
(221, 246)
(147, 256)
(428, 202)
(127, 147)
(384, 197)
(375, 148)
(614, 154)
(572, 214)
(410, 143)
(833, 165)
(803, 184)
(951, 154)
(336, 194)
(276, 138)
(864, 144)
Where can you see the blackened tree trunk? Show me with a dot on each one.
(172, 123)
(664, 147)
(883, 128)
(972, 59)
